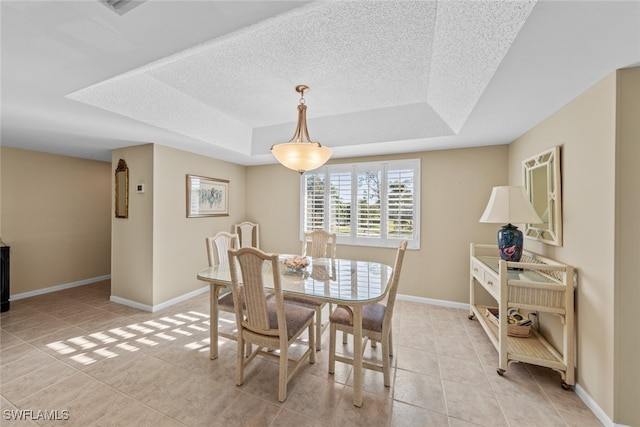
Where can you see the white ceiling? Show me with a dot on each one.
(217, 78)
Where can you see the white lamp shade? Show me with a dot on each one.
(301, 156)
(509, 204)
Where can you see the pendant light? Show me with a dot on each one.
(300, 153)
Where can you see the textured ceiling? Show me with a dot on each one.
(356, 56)
(217, 78)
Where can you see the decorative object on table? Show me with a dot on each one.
(510, 204)
(296, 263)
(541, 175)
(207, 196)
(300, 153)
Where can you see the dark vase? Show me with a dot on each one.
(510, 243)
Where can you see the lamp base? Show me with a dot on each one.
(510, 243)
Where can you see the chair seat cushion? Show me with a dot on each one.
(226, 300)
(372, 317)
(302, 300)
(296, 317)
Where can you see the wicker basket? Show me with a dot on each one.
(512, 330)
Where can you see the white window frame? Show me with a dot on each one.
(353, 169)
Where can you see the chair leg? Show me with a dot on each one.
(283, 373)
(312, 341)
(385, 359)
(240, 361)
(332, 348)
(390, 342)
(318, 328)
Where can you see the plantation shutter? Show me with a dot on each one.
(314, 212)
(340, 203)
(400, 203)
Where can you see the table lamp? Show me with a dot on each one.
(510, 204)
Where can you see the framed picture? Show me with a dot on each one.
(207, 196)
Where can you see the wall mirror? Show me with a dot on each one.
(542, 181)
(122, 190)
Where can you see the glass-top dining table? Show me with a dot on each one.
(352, 283)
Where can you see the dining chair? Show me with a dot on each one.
(376, 324)
(316, 244)
(319, 244)
(219, 245)
(248, 234)
(218, 253)
(270, 324)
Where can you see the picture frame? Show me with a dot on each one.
(207, 196)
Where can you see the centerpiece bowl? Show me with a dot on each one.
(296, 263)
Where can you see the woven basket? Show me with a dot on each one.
(512, 330)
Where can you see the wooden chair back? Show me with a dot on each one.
(393, 287)
(256, 318)
(218, 247)
(248, 234)
(319, 244)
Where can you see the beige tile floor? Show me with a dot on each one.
(104, 364)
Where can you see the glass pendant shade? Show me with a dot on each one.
(301, 156)
(300, 153)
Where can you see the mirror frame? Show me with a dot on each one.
(122, 172)
(551, 231)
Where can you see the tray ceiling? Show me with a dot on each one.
(218, 78)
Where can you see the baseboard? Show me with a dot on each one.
(593, 406)
(443, 303)
(131, 303)
(580, 392)
(154, 308)
(59, 287)
(115, 299)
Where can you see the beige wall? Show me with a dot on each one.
(56, 218)
(158, 250)
(132, 237)
(456, 185)
(593, 131)
(178, 240)
(627, 249)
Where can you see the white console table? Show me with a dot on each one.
(535, 284)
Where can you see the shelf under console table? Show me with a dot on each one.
(536, 283)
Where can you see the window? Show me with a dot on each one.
(365, 204)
